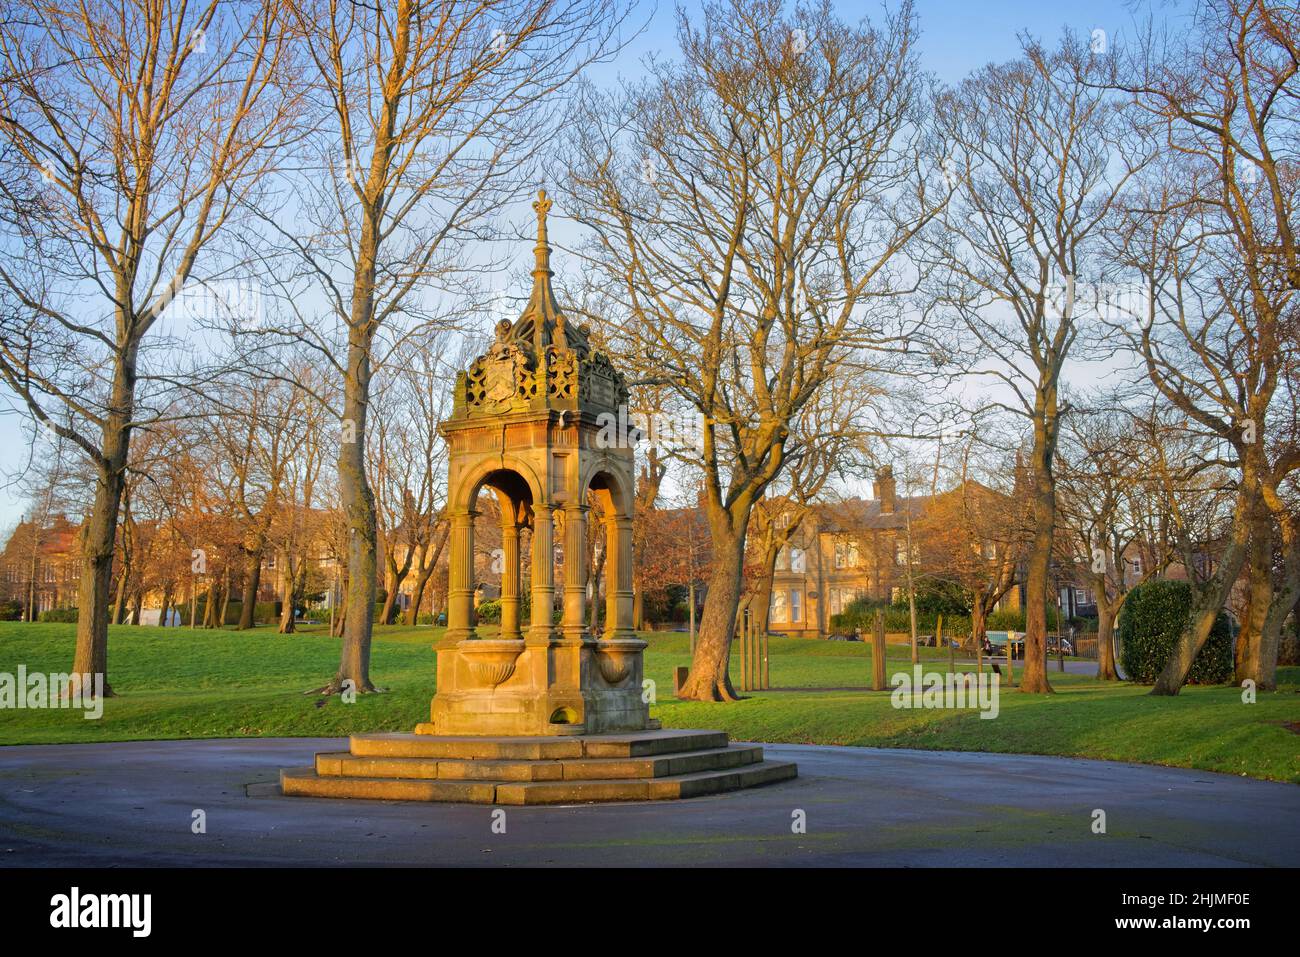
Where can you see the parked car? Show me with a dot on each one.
(996, 643)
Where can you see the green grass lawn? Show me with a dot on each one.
(177, 683)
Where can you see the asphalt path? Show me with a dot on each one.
(135, 803)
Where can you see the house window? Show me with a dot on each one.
(1137, 567)
(796, 609)
(778, 606)
(846, 554)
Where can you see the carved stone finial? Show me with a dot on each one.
(543, 206)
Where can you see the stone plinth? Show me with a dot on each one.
(555, 686)
(649, 766)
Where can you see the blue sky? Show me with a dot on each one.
(957, 37)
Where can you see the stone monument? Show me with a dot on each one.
(542, 712)
(531, 422)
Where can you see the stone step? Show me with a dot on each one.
(640, 744)
(652, 789)
(306, 782)
(343, 764)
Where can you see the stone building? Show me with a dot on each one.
(849, 550)
(41, 565)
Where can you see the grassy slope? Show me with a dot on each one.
(178, 684)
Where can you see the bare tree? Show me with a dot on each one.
(1212, 239)
(748, 208)
(1105, 480)
(149, 122)
(1041, 154)
(257, 432)
(826, 445)
(409, 465)
(423, 118)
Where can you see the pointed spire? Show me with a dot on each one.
(542, 322)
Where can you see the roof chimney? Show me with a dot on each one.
(885, 489)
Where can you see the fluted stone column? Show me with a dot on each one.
(510, 579)
(618, 578)
(575, 570)
(543, 573)
(460, 574)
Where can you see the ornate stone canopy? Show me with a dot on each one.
(541, 360)
(527, 423)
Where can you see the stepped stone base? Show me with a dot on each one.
(641, 766)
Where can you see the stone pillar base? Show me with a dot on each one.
(563, 687)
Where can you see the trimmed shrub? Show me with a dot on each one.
(11, 611)
(64, 615)
(1153, 617)
(489, 612)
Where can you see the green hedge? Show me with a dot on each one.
(861, 615)
(64, 615)
(1153, 617)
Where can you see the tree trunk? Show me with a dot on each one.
(427, 568)
(597, 570)
(762, 602)
(1208, 602)
(1106, 670)
(359, 506)
(1279, 610)
(100, 530)
(393, 583)
(166, 604)
(977, 623)
(119, 603)
(288, 594)
(421, 582)
(137, 604)
(252, 583)
(1259, 594)
(225, 598)
(91, 657)
(1034, 678)
(708, 680)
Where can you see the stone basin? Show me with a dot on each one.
(491, 661)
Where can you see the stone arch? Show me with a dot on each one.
(518, 491)
(613, 488)
(507, 474)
